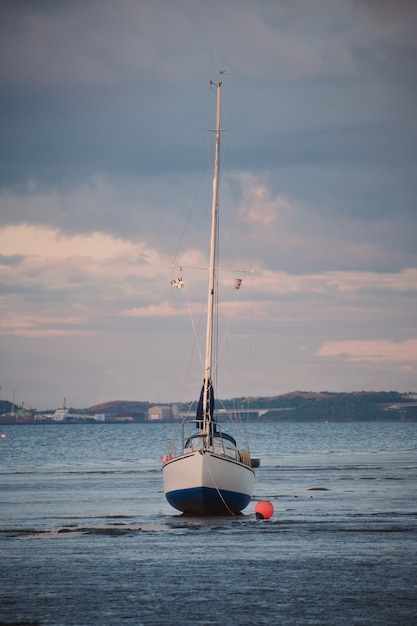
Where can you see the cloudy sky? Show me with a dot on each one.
(105, 182)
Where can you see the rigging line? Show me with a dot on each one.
(225, 329)
(209, 158)
(203, 173)
(237, 423)
(244, 240)
(238, 212)
(170, 343)
(249, 334)
(219, 492)
(251, 324)
(196, 344)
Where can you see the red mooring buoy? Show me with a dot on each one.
(264, 509)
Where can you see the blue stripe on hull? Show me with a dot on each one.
(207, 501)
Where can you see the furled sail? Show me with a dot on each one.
(210, 405)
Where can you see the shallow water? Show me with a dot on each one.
(86, 536)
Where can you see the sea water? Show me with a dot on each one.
(87, 537)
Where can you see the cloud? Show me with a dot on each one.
(164, 309)
(384, 10)
(105, 182)
(64, 284)
(27, 240)
(258, 203)
(346, 283)
(154, 40)
(382, 350)
(29, 324)
(11, 260)
(290, 234)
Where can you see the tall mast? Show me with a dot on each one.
(212, 264)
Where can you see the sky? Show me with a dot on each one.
(105, 184)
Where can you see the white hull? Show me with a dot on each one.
(206, 483)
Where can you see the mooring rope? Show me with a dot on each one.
(218, 491)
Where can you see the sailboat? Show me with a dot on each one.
(209, 474)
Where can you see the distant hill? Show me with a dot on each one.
(120, 407)
(329, 406)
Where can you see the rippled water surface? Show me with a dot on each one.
(86, 536)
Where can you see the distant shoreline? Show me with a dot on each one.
(294, 407)
(261, 420)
